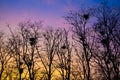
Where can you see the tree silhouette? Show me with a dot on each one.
(90, 50)
(78, 22)
(4, 57)
(108, 55)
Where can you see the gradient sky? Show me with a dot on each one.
(49, 11)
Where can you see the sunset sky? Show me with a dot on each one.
(49, 11)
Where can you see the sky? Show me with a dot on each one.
(51, 12)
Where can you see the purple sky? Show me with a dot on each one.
(49, 11)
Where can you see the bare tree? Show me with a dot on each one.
(23, 48)
(50, 44)
(80, 31)
(30, 34)
(4, 57)
(107, 50)
(15, 51)
(64, 56)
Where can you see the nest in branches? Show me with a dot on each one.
(21, 63)
(21, 70)
(86, 16)
(32, 41)
(102, 32)
(30, 63)
(105, 41)
(64, 47)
